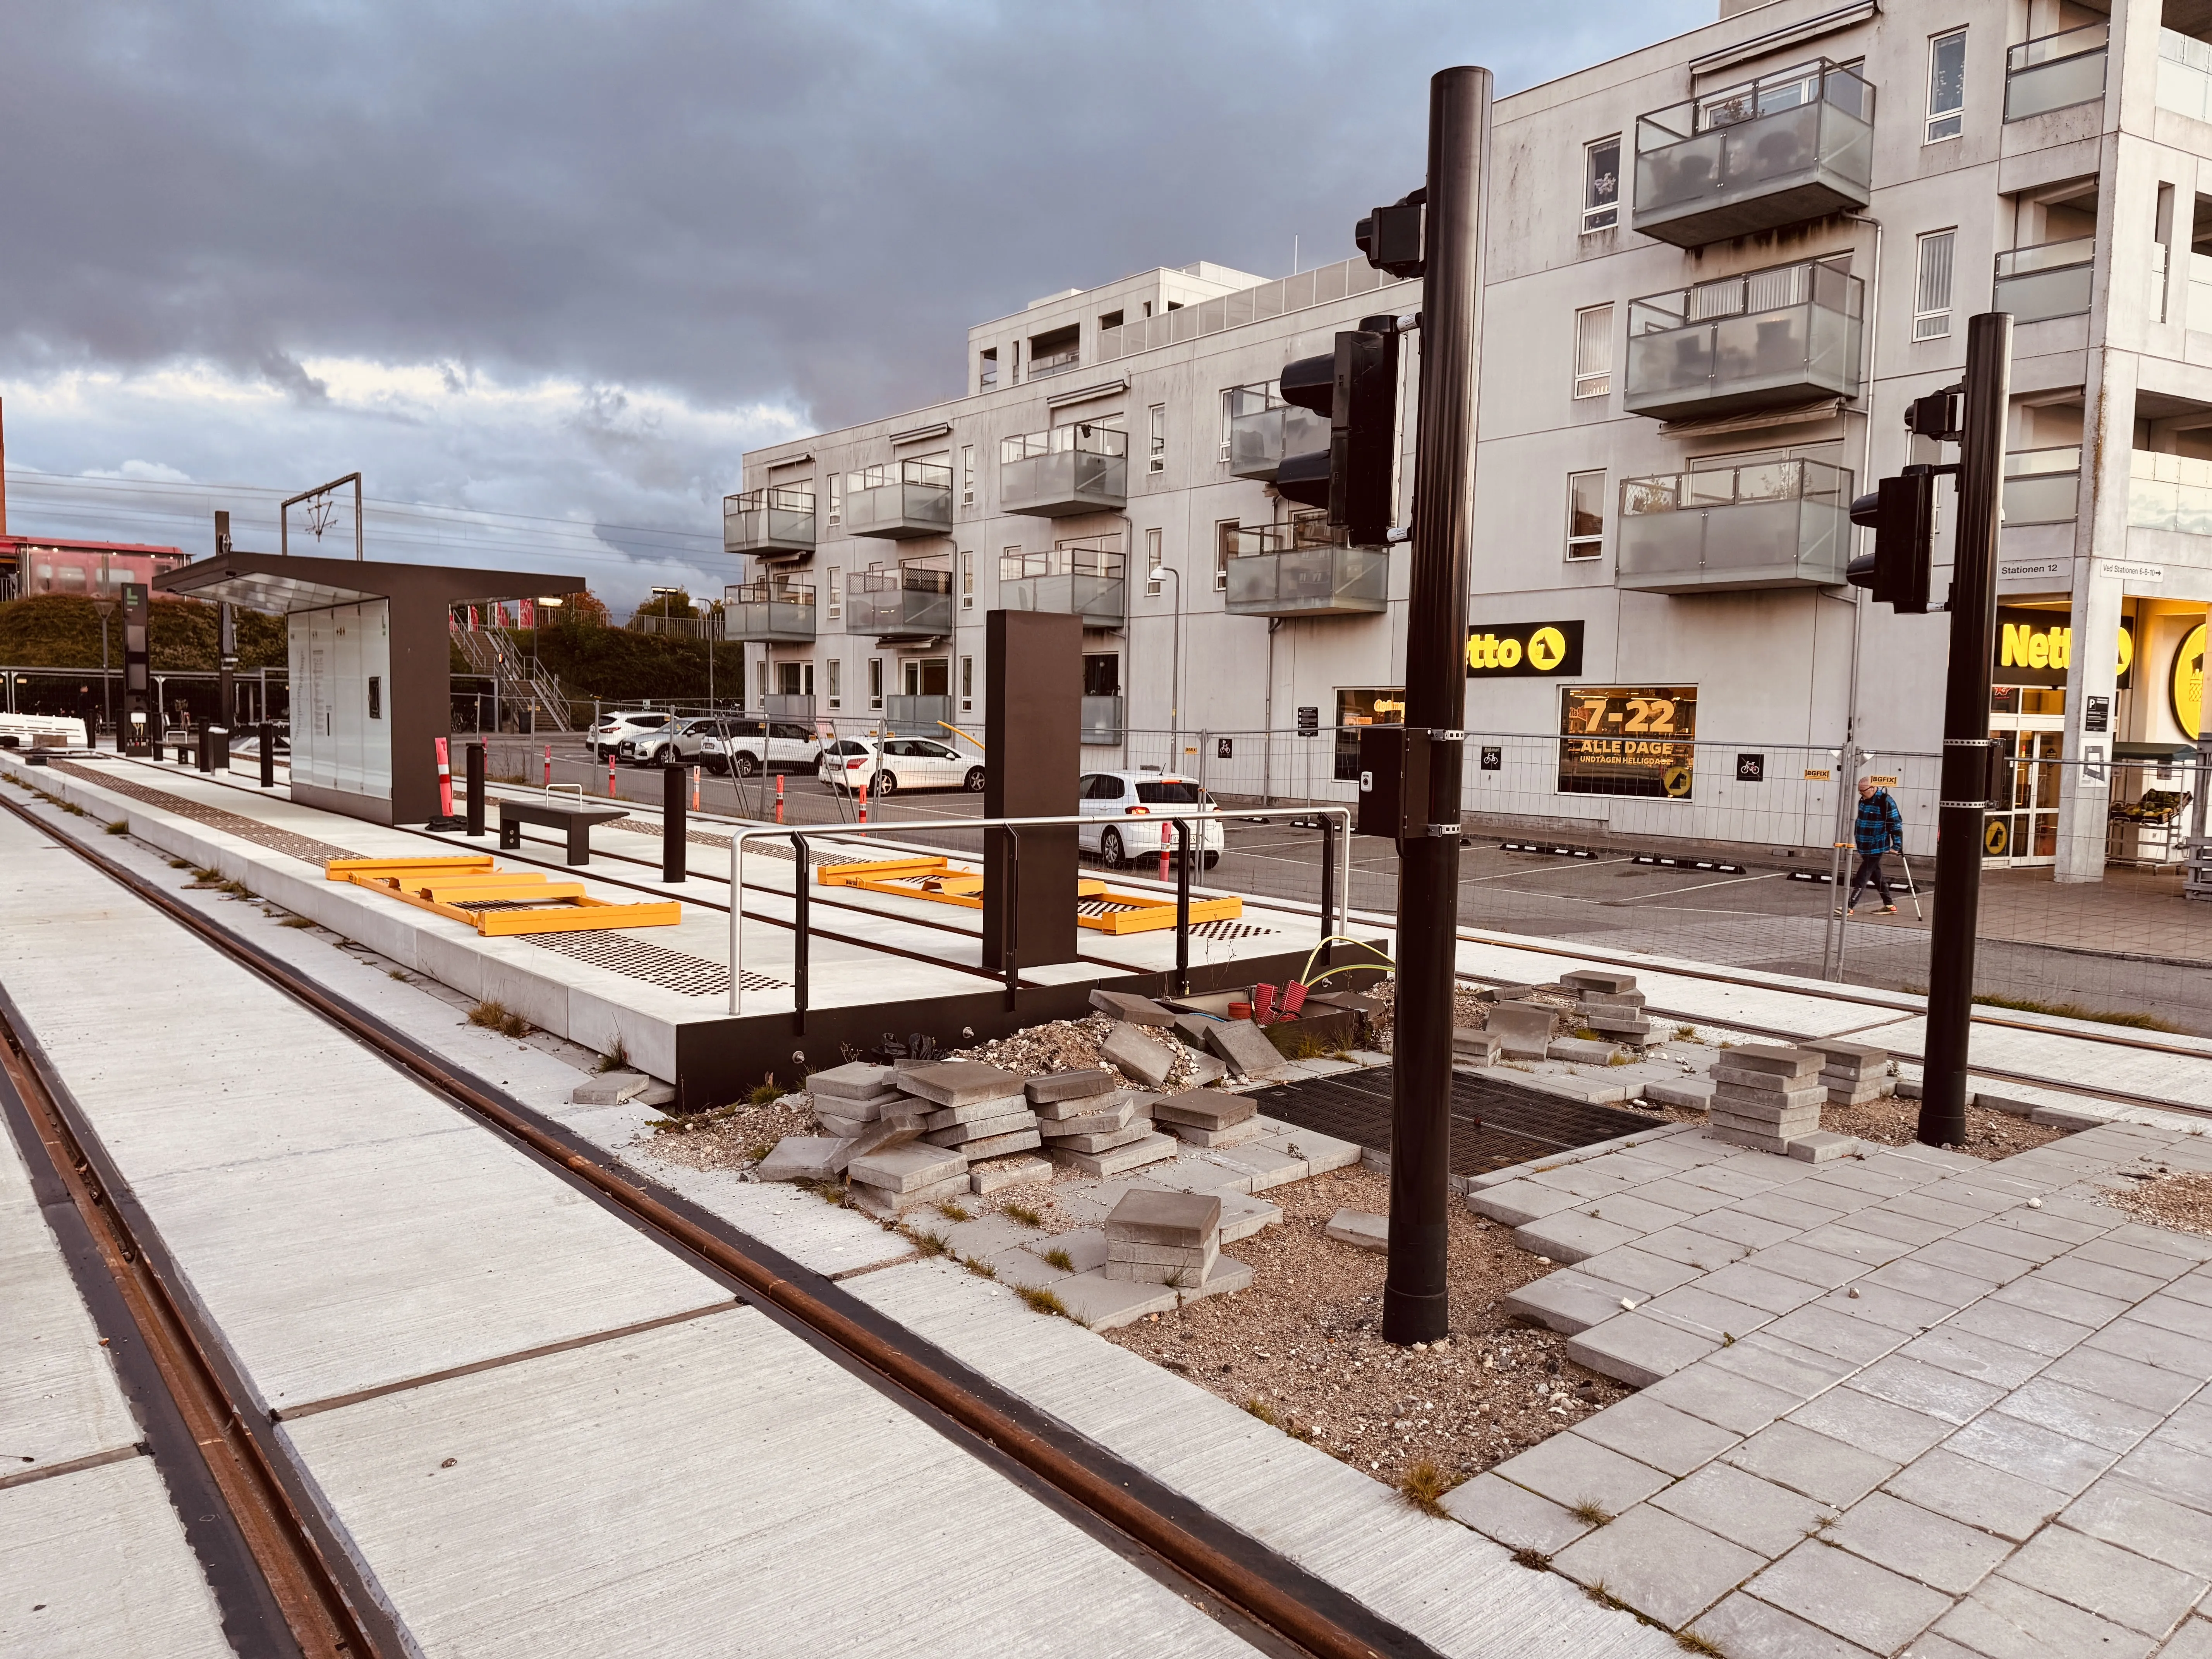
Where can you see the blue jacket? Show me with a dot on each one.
(1879, 827)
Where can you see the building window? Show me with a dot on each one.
(1585, 515)
(967, 475)
(833, 595)
(837, 497)
(2161, 257)
(1946, 86)
(760, 679)
(875, 682)
(1594, 352)
(986, 373)
(1109, 319)
(1154, 558)
(967, 582)
(1225, 539)
(1601, 184)
(1931, 293)
(967, 683)
(1158, 462)
(836, 684)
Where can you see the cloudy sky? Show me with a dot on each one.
(543, 272)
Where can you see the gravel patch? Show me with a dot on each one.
(730, 1137)
(1301, 1347)
(1895, 1122)
(2181, 1200)
(1071, 1045)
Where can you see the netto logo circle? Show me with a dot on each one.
(1548, 648)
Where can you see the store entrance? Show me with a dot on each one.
(2027, 723)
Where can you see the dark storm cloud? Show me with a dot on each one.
(735, 203)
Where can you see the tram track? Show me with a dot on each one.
(1279, 1606)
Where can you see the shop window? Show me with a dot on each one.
(1633, 741)
(1356, 708)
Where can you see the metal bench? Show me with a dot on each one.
(576, 821)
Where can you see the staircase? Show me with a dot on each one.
(495, 657)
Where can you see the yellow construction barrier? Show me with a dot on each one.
(1098, 908)
(462, 887)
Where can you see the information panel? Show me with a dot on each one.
(1622, 740)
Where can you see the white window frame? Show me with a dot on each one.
(967, 475)
(875, 682)
(1221, 553)
(1593, 381)
(833, 683)
(1155, 556)
(967, 683)
(835, 596)
(1157, 461)
(967, 582)
(1933, 322)
(837, 498)
(1607, 216)
(1582, 549)
(1947, 124)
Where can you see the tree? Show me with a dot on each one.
(675, 604)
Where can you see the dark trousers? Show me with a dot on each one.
(1870, 870)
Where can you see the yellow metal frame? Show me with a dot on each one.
(447, 885)
(940, 881)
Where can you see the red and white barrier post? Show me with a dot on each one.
(548, 764)
(445, 779)
(778, 797)
(695, 788)
(610, 774)
(1164, 852)
(864, 800)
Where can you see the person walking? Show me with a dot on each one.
(1878, 830)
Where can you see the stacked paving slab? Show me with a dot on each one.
(1854, 1074)
(1208, 1117)
(1155, 1237)
(848, 1100)
(1770, 1099)
(1611, 1005)
(1091, 1125)
(981, 1111)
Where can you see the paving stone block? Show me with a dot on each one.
(1629, 1002)
(1970, 1355)
(1747, 1083)
(1773, 1058)
(1824, 1330)
(909, 1168)
(1269, 1167)
(1778, 1145)
(2121, 1511)
(1698, 1309)
(1689, 1094)
(1360, 1230)
(1773, 1293)
(1513, 1515)
(1723, 1398)
(1130, 1008)
(1244, 1048)
(1136, 1055)
(1571, 1236)
(886, 1204)
(1104, 1304)
(1971, 1492)
(1084, 1085)
(857, 1081)
(1916, 1276)
(1638, 1272)
(2100, 1280)
(1878, 1304)
(1136, 1155)
(883, 1134)
(1849, 1596)
(609, 1089)
(1989, 1266)
(2002, 1619)
(2109, 1424)
(1658, 1563)
(1059, 1111)
(1200, 1256)
(1237, 1135)
(1769, 1520)
(997, 1173)
(1524, 1029)
(1104, 1140)
(1781, 1364)
(1175, 1275)
(1651, 1431)
(838, 1127)
(1941, 1553)
(1827, 1470)
(2193, 1641)
(1837, 1054)
(1591, 1091)
(1204, 1108)
(1635, 1210)
(805, 1158)
(2030, 1451)
(981, 1129)
(1579, 1050)
(1871, 1424)
(1569, 1470)
(1637, 1351)
(1694, 1248)
(960, 1082)
(1206, 1171)
(1118, 1114)
(1145, 1215)
(1205, 1069)
(1472, 1046)
(1743, 1625)
(2153, 1345)
(1821, 1146)
(1242, 1215)
(1793, 1259)
(1017, 1141)
(1927, 1389)
(2113, 1583)
(1569, 1303)
(1598, 979)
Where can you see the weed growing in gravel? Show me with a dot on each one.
(952, 1212)
(1022, 1213)
(1686, 1034)
(399, 974)
(296, 921)
(1260, 1409)
(237, 889)
(1690, 1642)
(766, 1092)
(830, 1193)
(208, 876)
(121, 827)
(1591, 1512)
(1535, 1560)
(180, 864)
(927, 1243)
(1060, 1258)
(2076, 1011)
(759, 1150)
(1618, 1059)
(978, 1266)
(495, 1016)
(1424, 1486)
(614, 1060)
(1605, 1598)
(1042, 1301)
(1583, 1033)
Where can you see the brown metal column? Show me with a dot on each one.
(1033, 751)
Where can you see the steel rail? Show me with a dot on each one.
(1239, 1583)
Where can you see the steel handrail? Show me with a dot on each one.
(1331, 924)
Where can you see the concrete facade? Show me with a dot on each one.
(2080, 214)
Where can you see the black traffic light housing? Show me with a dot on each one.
(1902, 514)
(1356, 387)
(1390, 237)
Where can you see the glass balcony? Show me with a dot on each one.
(769, 522)
(2170, 492)
(1779, 151)
(917, 717)
(900, 500)
(912, 602)
(2184, 75)
(1101, 721)
(1087, 579)
(1765, 340)
(1083, 468)
(1263, 428)
(1773, 524)
(2051, 279)
(2057, 71)
(1269, 575)
(768, 612)
(2042, 486)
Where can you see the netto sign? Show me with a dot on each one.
(2036, 647)
(1524, 650)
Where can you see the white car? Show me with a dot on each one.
(607, 736)
(1144, 794)
(903, 763)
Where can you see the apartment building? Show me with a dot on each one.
(1717, 269)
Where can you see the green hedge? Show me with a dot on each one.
(62, 630)
(618, 666)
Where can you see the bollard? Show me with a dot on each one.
(695, 788)
(864, 800)
(475, 755)
(549, 765)
(1164, 852)
(445, 820)
(203, 750)
(610, 774)
(268, 755)
(778, 797)
(671, 824)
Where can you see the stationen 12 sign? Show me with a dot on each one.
(1628, 741)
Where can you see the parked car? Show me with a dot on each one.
(898, 763)
(1144, 794)
(686, 741)
(782, 744)
(606, 738)
(721, 741)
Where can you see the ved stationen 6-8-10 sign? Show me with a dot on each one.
(1524, 650)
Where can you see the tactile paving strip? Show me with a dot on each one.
(304, 847)
(656, 964)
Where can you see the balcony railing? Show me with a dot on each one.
(899, 500)
(768, 611)
(2043, 486)
(769, 522)
(1101, 721)
(1271, 576)
(1263, 428)
(1081, 578)
(917, 716)
(1760, 341)
(1776, 151)
(2055, 71)
(1772, 524)
(912, 602)
(2051, 279)
(1054, 362)
(2170, 492)
(2184, 75)
(1082, 468)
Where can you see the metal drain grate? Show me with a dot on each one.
(1234, 930)
(656, 964)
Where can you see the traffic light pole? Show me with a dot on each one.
(1961, 812)
(1414, 1296)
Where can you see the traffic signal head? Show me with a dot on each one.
(1390, 237)
(1356, 387)
(1902, 515)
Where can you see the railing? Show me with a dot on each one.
(1772, 524)
(1275, 580)
(2184, 75)
(2170, 492)
(1324, 285)
(769, 611)
(708, 627)
(1079, 468)
(900, 499)
(1056, 363)
(1085, 579)
(1263, 428)
(914, 599)
(2043, 486)
(2056, 71)
(517, 681)
(779, 519)
(915, 716)
(1778, 150)
(1101, 721)
(1758, 341)
(2051, 279)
